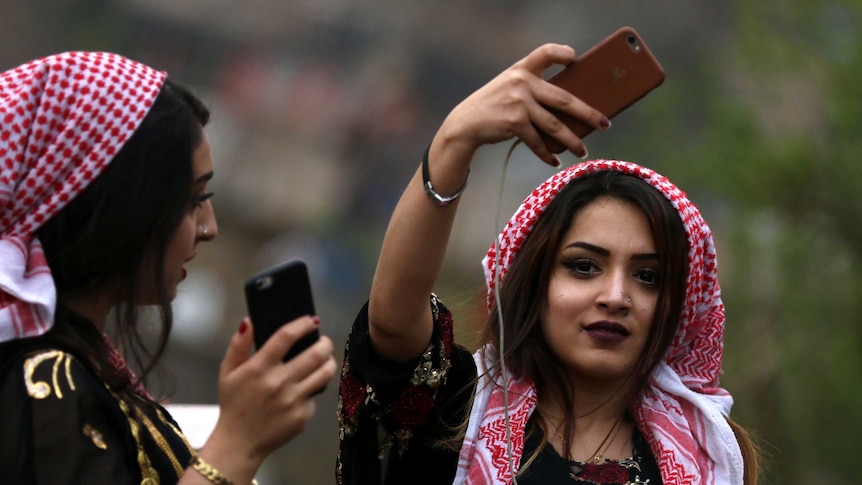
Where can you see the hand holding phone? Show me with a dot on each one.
(610, 77)
(278, 296)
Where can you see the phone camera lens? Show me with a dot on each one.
(633, 43)
(263, 282)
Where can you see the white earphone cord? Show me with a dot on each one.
(501, 351)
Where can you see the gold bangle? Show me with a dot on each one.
(209, 472)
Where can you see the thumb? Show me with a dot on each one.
(239, 348)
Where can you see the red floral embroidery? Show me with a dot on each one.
(446, 332)
(413, 406)
(610, 472)
(352, 395)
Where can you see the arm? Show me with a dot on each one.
(512, 105)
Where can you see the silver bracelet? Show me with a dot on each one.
(432, 194)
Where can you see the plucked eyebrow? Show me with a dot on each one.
(203, 178)
(604, 252)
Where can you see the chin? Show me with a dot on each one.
(172, 292)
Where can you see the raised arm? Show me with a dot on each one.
(512, 105)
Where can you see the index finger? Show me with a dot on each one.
(285, 338)
(546, 56)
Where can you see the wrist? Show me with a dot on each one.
(445, 168)
(454, 146)
(436, 197)
(211, 473)
(230, 460)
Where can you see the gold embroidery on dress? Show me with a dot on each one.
(161, 442)
(177, 431)
(42, 389)
(96, 436)
(148, 472)
(149, 476)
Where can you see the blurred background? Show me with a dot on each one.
(323, 108)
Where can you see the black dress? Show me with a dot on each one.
(550, 468)
(397, 422)
(60, 424)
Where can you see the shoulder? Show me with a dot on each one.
(49, 374)
(53, 373)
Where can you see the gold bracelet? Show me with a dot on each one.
(209, 472)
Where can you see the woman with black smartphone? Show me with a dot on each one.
(601, 353)
(104, 167)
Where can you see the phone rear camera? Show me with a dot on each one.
(633, 43)
(263, 282)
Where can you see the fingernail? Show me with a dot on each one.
(557, 162)
(316, 320)
(583, 153)
(243, 327)
(604, 123)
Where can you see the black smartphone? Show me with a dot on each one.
(277, 296)
(610, 77)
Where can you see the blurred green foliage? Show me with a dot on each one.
(777, 142)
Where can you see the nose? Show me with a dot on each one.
(207, 228)
(614, 295)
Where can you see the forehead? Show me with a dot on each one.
(202, 162)
(612, 224)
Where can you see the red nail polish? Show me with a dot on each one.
(582, 154)
(604, 123)
(243, 327)
(316, 320)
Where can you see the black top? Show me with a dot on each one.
(402, 418)
(414, 405)
(60, 424)
(550, 468)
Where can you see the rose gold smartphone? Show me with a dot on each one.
(610, 77)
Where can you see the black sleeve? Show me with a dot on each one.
(60, 425)
(401, 416)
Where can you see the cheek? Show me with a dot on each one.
(646, 312)
(568, 298)
(183, 239)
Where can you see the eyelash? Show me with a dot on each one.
(652, 273)
(198, 200)
(577, 269)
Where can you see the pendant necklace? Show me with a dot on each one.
(606, 443)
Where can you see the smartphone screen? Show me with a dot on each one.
(278, 296)
(610, 77)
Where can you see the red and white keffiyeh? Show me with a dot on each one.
(62, 120)
(682, 412)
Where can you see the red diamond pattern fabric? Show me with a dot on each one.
(62, 120)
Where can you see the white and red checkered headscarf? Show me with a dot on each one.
(62, 120)
(682, 411)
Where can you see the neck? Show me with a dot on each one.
(592, 399)
(94, 307)
(596, 427)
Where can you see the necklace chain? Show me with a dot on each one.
(606, 443)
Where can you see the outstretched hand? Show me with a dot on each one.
(515, 105)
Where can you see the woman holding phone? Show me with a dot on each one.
(104, 167)
(600, 358)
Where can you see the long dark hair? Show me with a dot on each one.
(525, 286)
(125, 217)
